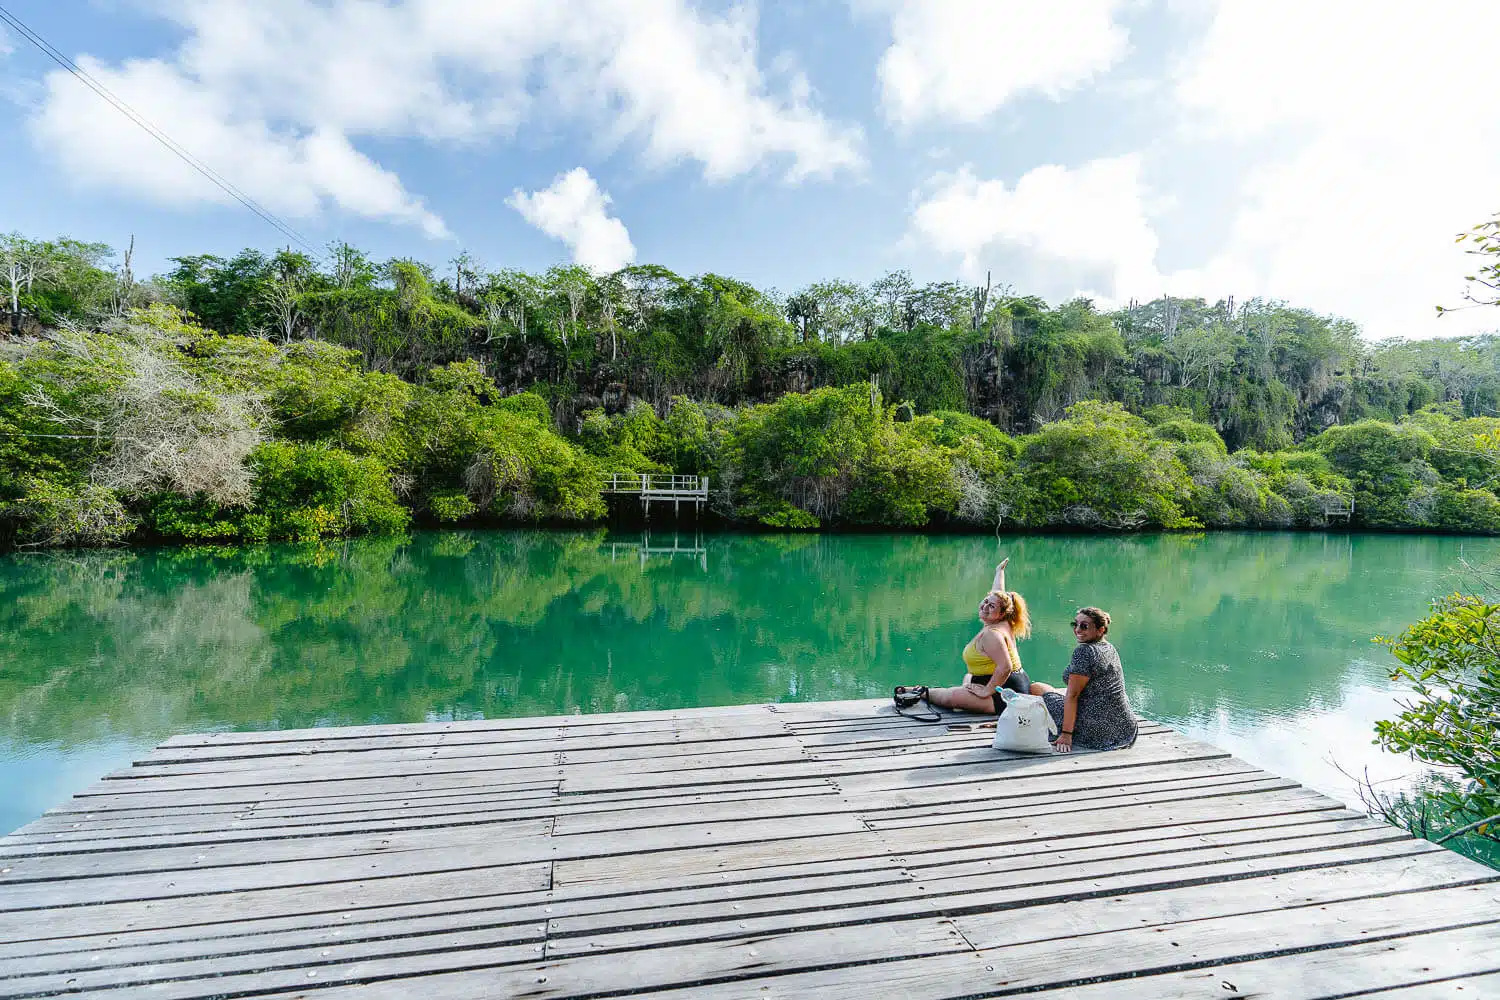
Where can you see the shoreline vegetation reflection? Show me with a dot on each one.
(1240, 638)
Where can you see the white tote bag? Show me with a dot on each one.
(1025, 724)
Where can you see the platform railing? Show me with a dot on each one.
(655, 484)
(1338, 507)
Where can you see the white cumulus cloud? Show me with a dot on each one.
(1367, 151)
(274, 94)
(292, 172)
(1087, 227)
(961, 60)
(1373, 146)
(574, 210)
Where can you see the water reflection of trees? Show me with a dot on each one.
(501, 623)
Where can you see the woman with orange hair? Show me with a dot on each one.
(991, 656)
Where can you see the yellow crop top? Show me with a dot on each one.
(980, 665)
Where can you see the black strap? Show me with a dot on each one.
(931, 715)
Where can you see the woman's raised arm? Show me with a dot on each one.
(1000, 575)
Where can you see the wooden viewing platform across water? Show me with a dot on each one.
(801, 850)
(661, 488)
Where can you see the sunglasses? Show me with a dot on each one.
(1079, 625)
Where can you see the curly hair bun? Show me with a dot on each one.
(1098, 616)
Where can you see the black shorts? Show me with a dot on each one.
(1017, 682)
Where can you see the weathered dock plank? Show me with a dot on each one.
(830, 850)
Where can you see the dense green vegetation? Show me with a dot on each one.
(277, 397)
(1451, 662)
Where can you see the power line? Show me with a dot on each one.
(88, 81)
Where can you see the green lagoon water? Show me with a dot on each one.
(1257, 642)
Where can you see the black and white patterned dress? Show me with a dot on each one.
(1105, 721)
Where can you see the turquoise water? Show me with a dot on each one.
(1257, 642)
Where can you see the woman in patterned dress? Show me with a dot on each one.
(1093, 713)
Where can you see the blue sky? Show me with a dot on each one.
(1324, 154)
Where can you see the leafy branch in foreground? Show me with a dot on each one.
(1451, 660)
(1484, 284)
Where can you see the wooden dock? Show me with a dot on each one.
(803, 850)
(661, 488)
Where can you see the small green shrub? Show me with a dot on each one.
(452, 506)
(310, 491)
(1451, 661)
(65, 514)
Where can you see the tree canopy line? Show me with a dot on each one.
(277, 396)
